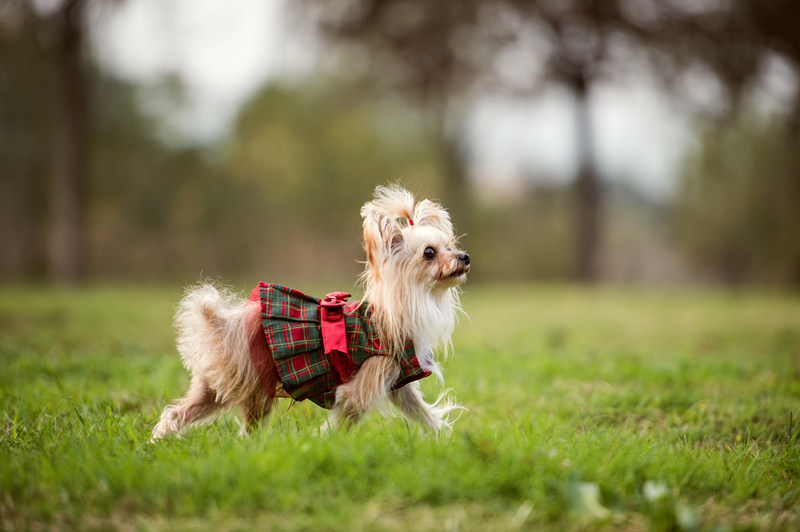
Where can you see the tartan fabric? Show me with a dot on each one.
(291, 323)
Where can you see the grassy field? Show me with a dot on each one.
(612, 409)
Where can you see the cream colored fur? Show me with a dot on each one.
(414, 296)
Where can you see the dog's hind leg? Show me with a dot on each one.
(367, 388)
(199, 403)
(409, 401)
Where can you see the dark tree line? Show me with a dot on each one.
(82, 167)
(441, 51)
(53, 42)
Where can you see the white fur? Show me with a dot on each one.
(411, 280)
(212, 342)
(409, 300)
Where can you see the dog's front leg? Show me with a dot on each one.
(366, 389)
(436, 417)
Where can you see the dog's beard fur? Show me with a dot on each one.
(405, 312)
(413, 296)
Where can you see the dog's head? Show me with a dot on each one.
(411, 242)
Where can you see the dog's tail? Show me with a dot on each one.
(204, 301)
(213, 341)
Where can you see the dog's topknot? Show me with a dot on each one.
(395, 202)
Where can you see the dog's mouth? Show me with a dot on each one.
(459, 275)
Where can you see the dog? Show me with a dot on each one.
(247, 354)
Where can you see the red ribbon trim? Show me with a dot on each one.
(334, 336)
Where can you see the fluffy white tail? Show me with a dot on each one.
(213, 342)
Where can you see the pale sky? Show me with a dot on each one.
(224, 50)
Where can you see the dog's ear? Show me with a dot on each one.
(428, 213)
(383, 235)
(383, 230)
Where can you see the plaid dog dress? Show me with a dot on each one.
(312, 352)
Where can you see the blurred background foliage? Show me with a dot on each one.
(738, 210)
(95, 184)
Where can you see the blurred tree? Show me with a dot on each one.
(444, 51)
(122, 191)
(26, 131)
(447, 49)
(310, 152)
(149, 202)
(58, 34)
(538, 218)
(71, 143)
(410, 44)
(737, 209)
(291, 178)
(578, 37)
(732, 41)
(736, 43)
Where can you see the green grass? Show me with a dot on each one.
(612, 409)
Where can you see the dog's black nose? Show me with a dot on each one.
(464, 258)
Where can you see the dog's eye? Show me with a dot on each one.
(429, 253)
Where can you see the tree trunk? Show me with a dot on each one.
(793, 137)
(69, 173)
(588, 194)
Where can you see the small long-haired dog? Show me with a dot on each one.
(247, 354)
